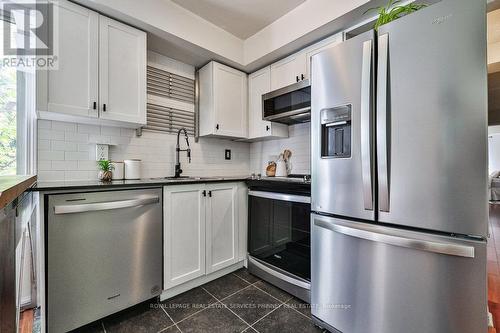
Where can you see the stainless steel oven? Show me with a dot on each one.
(279, 243)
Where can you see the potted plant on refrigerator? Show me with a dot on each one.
(392, 11)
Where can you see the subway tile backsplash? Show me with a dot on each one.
(66, 151)
(298, 142)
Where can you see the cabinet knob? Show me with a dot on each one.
(297, 78)
(204, 193)
(210, 194)
(268, 128)
(302, 77)
(217, 126)
(104, 107)
(94, 106)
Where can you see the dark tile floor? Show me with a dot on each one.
(237, 302)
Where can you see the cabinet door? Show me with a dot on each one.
(319, 47)
(288, 71)
(222, 226)
(184, 233)
(73, 88)
(259, 83)
(230, 101)
(122, 72)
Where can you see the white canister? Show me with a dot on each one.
(118, 170)
(281, 167)
(132, 169)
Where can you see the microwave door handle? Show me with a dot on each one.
(382, 126)
(366, 125)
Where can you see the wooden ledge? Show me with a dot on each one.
(13, 186)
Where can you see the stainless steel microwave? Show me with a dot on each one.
(288, 105)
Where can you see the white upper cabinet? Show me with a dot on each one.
(259, 83)
(222, 226)
(320, 46)
(101, 75)
(73, 87)
(122, 72)
(222, 101)
(288, 71)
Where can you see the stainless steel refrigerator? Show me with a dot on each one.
(399, 176)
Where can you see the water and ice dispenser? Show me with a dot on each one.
(336, 132)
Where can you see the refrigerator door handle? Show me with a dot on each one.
(366, 125)
(382, 128)
(407, 242)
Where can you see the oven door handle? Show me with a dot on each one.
(280, 196)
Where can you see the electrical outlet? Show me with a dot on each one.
(101, 152)
(227, 154)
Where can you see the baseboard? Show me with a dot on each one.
(169, 293)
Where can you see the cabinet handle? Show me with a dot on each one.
(210, 194)
(95, 106)
(297, 78)
(217, 127)
(302, 77)
(268, 128)
(104, 107)
(204, 193)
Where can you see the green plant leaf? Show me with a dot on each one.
(105, 165)
(392, 11)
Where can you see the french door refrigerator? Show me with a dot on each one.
(399, 186)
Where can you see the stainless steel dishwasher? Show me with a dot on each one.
(104, 254)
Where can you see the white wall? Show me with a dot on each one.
(66, 151)
(307, 17)
(188, 33)
(173, 23)
(298, 142)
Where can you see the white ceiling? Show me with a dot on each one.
(242, 18)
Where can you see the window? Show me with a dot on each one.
(8, 123)
(17, 121)
(170, 101)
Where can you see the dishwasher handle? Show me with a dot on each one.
(107, 205)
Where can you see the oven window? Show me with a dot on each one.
(279, 234)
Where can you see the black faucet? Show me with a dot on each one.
(178, 149)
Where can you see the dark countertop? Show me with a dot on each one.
(12, 187)
(150, 182)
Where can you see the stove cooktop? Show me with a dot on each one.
(295, 178)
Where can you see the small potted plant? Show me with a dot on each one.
(105, 173)
(391, 11)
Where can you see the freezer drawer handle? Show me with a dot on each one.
(411, 243)
(280, 196)
(366, 125)
(97, 206)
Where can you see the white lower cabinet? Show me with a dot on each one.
(201, 230)
(184, 233)
(222, 226)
